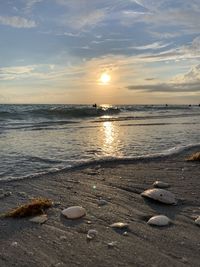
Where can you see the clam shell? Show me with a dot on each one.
(39, 219)
(197, 221)
(160, 195)
(159, 220)
(160, 184)
(119, 225)
(74, 212)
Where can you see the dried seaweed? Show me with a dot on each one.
(34, 207)
(194, 157)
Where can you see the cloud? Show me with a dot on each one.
(80, 21)
(189, 82)
(152, 46)
(17, 22)
(168, 13)
(12, 73)
(193, 75)
(30, 4)
(167, 87)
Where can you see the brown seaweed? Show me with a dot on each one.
(35, 207)
(194, 157)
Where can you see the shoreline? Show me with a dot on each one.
(62, 242)
(171, 152)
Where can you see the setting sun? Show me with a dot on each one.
(105, 78)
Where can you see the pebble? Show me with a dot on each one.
(39, 219)
(102, 202)
(119, 225)
(74, 212)
(197, 221)
(159, 220)
(160, 195)
(14, 244)
(160, 184)
(63, 237)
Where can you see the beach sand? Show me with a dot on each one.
(61, 242)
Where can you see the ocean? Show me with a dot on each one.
(38, 139)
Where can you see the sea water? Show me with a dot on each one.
(37, 139)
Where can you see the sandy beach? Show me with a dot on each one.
(63, 242)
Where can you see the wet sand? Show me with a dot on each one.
(61, 242)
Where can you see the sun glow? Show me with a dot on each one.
(105, 78)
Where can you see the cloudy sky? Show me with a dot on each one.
(55, 51)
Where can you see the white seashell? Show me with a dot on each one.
(39, 219)
(119, 225)
(74, 212)
(160, 195)
(112, 244)
(197, 221)
(91, 234)
(159, 220)
(160, 184)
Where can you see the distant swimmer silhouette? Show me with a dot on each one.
(94, 105)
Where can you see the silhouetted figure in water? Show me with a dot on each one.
(166, 105)
(189, 105)
(95, 105)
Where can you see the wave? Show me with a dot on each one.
(177, 150)
(159, 107)
(55, 111)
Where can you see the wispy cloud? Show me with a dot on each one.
(152, 46)
(12, 73)
(29, 4)
(89, 19)
(17, 22)
(168, 87)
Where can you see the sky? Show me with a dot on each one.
(55, 51)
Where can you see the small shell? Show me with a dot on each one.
(91, 234)
(74, 212)
(197, 221)
(159, 220)
(119, 225)
(160, 195)
(39, 219)
(112, 244)
(160, 184)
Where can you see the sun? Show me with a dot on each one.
(105, 78)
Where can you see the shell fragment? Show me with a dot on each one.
(160, 184)
(74, 212)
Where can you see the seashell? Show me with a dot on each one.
(197, 221)
(160, 195)
(125, 233)
(159, 220)
(112, 244)
(74, 212)
(119, 225)
(39, 219)
(160, 184)
(91, 234)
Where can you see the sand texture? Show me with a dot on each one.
(62, 242)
